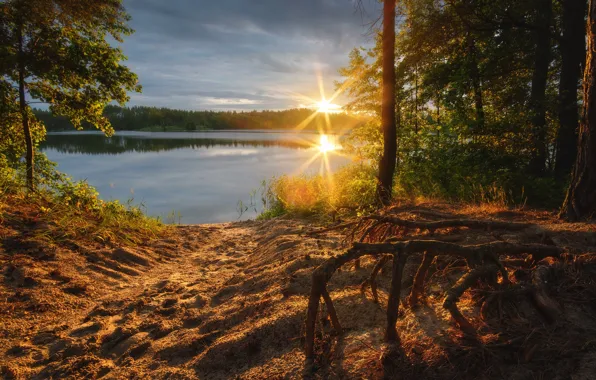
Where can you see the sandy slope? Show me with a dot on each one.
(228, 301)
(200, 304)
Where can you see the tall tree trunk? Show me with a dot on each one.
(580, 202)
(398, 127)
(573, 48)
(542, 57)
(416, 101)
(438, 120)
(24, 114)
(387, 164)
(476, 84)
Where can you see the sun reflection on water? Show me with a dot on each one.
(326, 145)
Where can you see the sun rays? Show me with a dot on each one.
(328, 137)
(328, 141)
(325, 106)
(325, 144)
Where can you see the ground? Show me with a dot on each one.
(229, 301)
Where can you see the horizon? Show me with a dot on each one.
(314, 107)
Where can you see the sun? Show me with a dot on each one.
(326, 145)
(325, 106)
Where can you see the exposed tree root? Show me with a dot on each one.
(321, 275)
(332, 228)
(539, 293)
(426, 213)
(463, 284)
(418, 285)
(483, 259)
(432, 226)
(331, 311)
(381, 227)
(399, 261)
(372, 280)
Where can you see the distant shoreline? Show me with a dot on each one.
(140, 131)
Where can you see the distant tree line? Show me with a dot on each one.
(166, 119)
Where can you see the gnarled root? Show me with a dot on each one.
(469, 223)
(539, 294)
(432, 226)
(331, 311)
(483, 258)
(321, 275)
(463, 284)
(418, 285)
(399, 261)
(372, 280)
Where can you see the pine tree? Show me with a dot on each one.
(580, 202)
(56, 52)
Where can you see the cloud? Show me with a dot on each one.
(241, 54)
(228, 101)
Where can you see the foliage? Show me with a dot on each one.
(57, 52)
(61, 49)
(350, 189)
(465, 76)
(12, 139)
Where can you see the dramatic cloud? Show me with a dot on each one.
(241, 54)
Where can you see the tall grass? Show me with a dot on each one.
(70, 210)
(351, 189)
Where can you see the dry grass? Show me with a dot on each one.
(43, 217)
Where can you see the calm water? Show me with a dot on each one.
(201, 175)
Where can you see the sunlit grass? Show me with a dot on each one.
(65, 211)
(349, 188)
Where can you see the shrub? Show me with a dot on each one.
(352, 188)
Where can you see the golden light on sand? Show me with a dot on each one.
(326, 145)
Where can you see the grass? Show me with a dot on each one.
(61, 210)
(44, 216)
(351, 191)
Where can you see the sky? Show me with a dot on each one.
(242, 54)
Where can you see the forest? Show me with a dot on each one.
(459, 242)
(485, 93)
(164, 119)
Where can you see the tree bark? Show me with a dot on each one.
(23, 109)
(476, 84)
(416, 101)
(387, 163)
(542, 57)
(399, 261)
(580, 202)
(573, 49)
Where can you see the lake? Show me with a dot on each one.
(197, 176)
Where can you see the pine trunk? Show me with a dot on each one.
(387, 164)
(542, 58)
(580, 202)
(573, 48)
(476, 85)
(24, 114)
